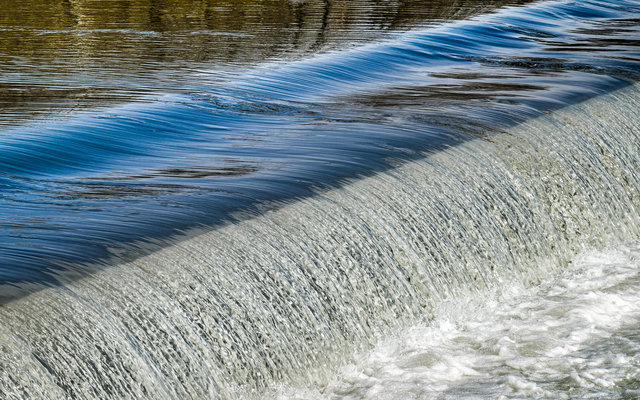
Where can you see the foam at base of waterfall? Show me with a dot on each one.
(574, 336)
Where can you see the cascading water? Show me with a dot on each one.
(281, 261)
(573, 336)
(275, 297)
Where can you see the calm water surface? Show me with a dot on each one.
(58, 57)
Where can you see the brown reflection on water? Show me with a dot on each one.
(61, 55)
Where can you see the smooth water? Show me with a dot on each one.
(61, 56)
(368, 201)
(223, 143)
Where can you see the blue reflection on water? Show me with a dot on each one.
(74, 189)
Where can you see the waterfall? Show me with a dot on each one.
(286, 296)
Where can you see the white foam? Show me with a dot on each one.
(570, 337)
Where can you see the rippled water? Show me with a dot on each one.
(216, 135)
(319, 199)
(61, 56)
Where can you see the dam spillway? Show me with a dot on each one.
(278, 295)
(262, 300)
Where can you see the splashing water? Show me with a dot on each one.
(574, 336)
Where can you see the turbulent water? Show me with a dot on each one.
(319, 199)
(576, 336)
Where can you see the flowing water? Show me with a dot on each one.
(319, 199)
(576, 336)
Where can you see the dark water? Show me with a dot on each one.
(132, 121)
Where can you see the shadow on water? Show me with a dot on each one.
(227, 114)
